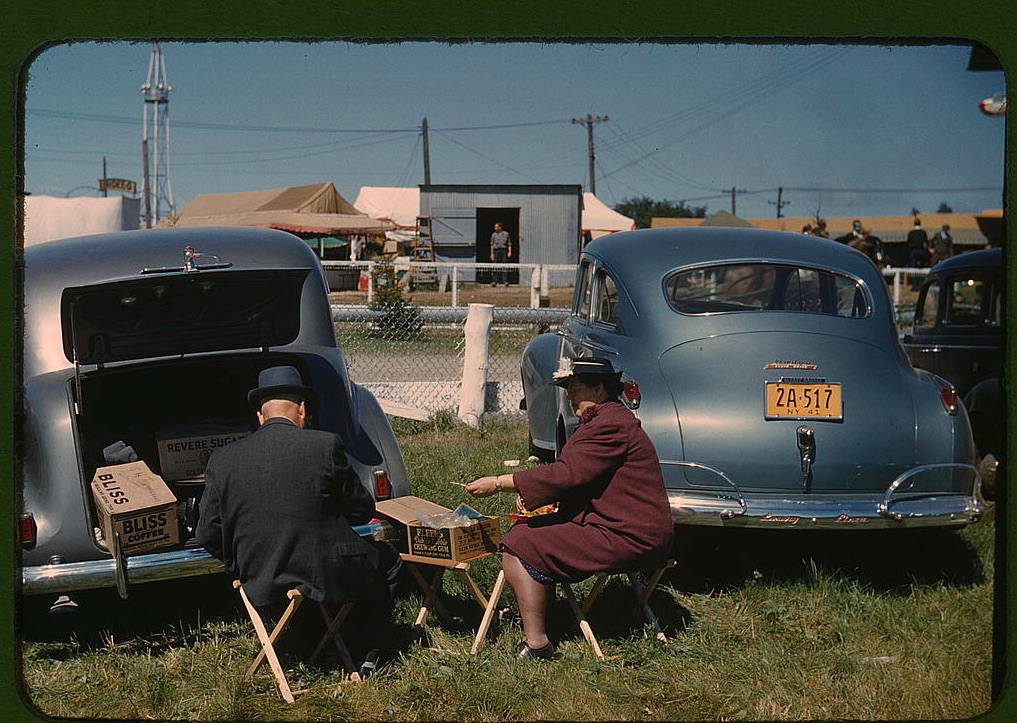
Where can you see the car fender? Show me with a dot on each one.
(376, 432)
(986, 412)
(541, 399)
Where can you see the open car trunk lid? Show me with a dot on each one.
(176, 314)
(860, 446)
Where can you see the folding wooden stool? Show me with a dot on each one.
(642, 594)
(433, 587)
(267, 639)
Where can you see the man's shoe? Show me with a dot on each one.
(370, 664)
(542, 653)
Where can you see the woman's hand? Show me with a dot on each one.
(483, 486)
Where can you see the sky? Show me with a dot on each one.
(844, 130)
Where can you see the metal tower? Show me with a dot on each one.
(158, 191)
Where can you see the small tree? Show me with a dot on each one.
(399, 319)
(642, 209)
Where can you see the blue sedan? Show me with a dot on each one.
(767, 370)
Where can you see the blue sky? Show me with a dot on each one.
(845, 130)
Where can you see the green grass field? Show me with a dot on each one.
(775, 626)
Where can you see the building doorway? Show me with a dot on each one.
(508, 217)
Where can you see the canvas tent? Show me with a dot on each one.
(724, 218)
(398, 205)
(314, 211)
(401, 206)
(48, 218)
(600, 219)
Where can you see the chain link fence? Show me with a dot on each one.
(407, 343)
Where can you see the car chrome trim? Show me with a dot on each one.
(812, 511)
(120, 565)
(723, 509)
(884, 506)
(95, 574)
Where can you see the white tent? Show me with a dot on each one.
(600, 220)
(48, 217)
(398, 205)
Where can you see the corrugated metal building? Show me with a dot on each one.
(542, 220)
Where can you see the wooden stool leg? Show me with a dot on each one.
(598, 585)
(430, 593)
(332, 633)
(584, 626)
(642, 601)
(485, 621)
(267, 648)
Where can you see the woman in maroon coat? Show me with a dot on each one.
(613, 512)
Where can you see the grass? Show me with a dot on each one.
(762, 626)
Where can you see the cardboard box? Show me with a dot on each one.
(184, 449)
(132, 500)
(478, 538)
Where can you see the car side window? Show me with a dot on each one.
(964, 304)
(928, 306)
(605, 310)
(584, 290)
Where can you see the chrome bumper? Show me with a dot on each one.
(96, 574)
(899, 506)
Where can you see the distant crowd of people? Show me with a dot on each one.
(923, 250)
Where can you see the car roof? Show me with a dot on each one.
(983, 257)
(650, 253)
(87, 259)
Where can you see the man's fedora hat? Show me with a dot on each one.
(278, 383)
(571, 367)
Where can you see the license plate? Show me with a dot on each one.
(786, 400)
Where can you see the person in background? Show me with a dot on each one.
(918, 250)
(942, 245)
(612, 511)
(278, 509)
(501, 252)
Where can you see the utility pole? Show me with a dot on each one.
(733, 191)
(427, 155)
(588, 122)
(780, 204)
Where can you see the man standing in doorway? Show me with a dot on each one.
(501, 252)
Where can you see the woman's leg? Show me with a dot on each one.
(532, 597)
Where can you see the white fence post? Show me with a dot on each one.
(475, 363)
(455, 284)
(535, 287)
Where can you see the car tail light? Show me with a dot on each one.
(630, 392)
(29, 531)
(382, 486)
(948, 396)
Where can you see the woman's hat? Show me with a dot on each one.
(277, 383)
(570, 367)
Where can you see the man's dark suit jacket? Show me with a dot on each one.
(277, 509)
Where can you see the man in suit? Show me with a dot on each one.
(278, 509)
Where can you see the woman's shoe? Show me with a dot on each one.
(542, 653)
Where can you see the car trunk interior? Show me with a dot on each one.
(134, 405)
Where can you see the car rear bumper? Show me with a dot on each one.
(96, 574)
(900, 506)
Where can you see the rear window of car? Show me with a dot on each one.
(766, 287)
